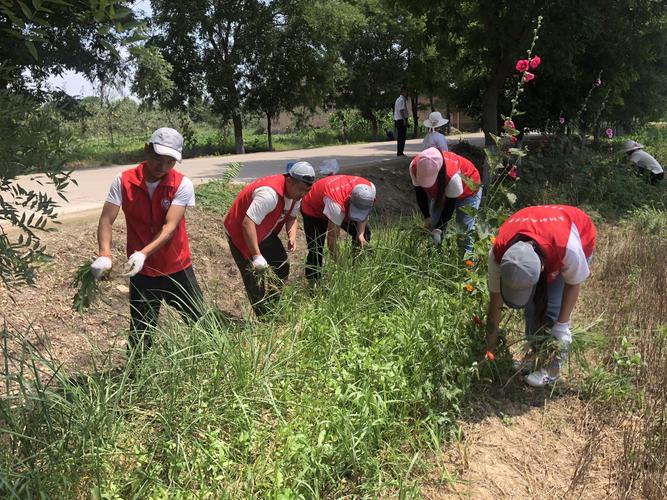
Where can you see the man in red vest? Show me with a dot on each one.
(254, 221)
(538, 262)
(154, 198)
(445, 182)
(334, 202)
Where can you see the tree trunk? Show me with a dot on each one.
(490, 112)
(239, 149)
(415, 115)
(268, 130)
(374, 127)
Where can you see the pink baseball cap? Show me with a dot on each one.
(428, 164)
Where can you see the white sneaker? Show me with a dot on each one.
(541, 378)
(436, 234)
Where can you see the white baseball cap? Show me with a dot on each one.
(167, 142)
(302, 171)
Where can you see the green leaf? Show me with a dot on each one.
(32, 49)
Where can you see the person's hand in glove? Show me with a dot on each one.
(436, 234)
(561, 331)
(100, 267)
(134, 264)
(259, 263)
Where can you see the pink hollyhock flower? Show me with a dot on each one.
(512, 172)
(490, 356)
(561, 120)
(522, 65)
(598, 82)
(509, 124)
(478, 321)
(609, 132)
(535, 62)
(528, 76)
(513, 139)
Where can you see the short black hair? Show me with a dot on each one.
(473, 153)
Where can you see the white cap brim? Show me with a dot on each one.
(167, 151)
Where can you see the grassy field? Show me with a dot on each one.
(350, 388)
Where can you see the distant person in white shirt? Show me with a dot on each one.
(435, 139)
(401, 120)
(644, 162)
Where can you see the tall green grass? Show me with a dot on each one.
(342, 391)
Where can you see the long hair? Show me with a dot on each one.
(442, 184)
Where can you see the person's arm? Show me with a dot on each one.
(172, 220)
(361, 229)
(291, 227)
(404, 109)
(422, 202)
(447, 212)
(333, 231)
(570, 296)
(249, 230)
(104, 228)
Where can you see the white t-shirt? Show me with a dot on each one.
(435, 140)
(184, 197)
(400, 104)
(575, 264)
(333, 211)
(644, 160)
(264, 201)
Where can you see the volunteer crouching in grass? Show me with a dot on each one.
(154, 198)
(438, 177)
(538, 262)
(253, 223)
(644, 162)
(334, 202)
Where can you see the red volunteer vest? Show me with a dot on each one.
(454, 163)
(273, 222)
(145, 217)
(549, 226)
(336, 187)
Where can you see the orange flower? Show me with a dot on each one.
(493, 240)
(469, 263)
(469, 287)
(490, 356)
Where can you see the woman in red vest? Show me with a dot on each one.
(445, 181)
(254, 221)
(538, 262)
(334, 202)
(154, 198)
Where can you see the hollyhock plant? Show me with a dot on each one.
(561, 120)
(522, 65)
(490, 356)
(535, 62)
(512, 172)
(528, 76)
(509, 124)
(478, 321)
(609, 132)
(513, 139)
(598, 82)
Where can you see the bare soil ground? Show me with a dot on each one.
(524, 446)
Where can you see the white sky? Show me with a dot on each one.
(75, 84)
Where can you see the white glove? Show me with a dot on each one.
(259, 262)
(134, 264)
(561, 331)
(100, 266)
(436, 234)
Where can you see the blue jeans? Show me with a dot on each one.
(466, 222)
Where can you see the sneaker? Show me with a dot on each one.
(541, 378)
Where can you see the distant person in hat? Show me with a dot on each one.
(644, 162)
(253, 224)
(538, 262)
(435, 139)
(445, 182)
(335, 202)
(154, 197)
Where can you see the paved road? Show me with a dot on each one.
(93, 184)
